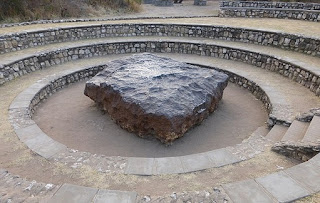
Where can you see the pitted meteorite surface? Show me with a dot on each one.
(156, 96)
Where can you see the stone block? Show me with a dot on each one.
(156, 96)
(222, 157)
(247, 191)
(112, 196)
(73, 194)
(168, 165)
(307, 174)
(140, 166)
(196, 162)
(163, 2)
(283, 187)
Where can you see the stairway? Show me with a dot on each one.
(287, 97)
(301, 140)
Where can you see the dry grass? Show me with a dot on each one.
(29, 10)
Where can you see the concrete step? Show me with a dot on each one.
(276, 133)
(282, 187)
(296, 131)
(313, 133)
(73, 193)
(247, 191)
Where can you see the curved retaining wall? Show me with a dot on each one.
(24, 105)
(99, 19)
(75, 76)
(267, 4)
(18, 41)
(297, 11)
(298, 74)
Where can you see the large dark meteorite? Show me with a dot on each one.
(156, 96)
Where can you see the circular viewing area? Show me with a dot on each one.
(73, 119)
(156, 101)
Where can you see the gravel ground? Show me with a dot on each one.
(198, 186)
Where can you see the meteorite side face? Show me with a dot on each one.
(156, 96)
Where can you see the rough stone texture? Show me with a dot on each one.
(210, 195)
(21, 118)
(298, 11)
(297, 72)
(157, 96)
(297, 150)
(308, 116)
(266, 4)
(16, 189)
(306, 146)
(271, 13)
(200, 2)
(163, 2)
(148, 1)
(24, 40)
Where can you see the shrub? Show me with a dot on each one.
(28, 10)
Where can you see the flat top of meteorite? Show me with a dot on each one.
(161, 85)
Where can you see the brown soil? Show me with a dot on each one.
(15, 157)
(74, 120)
(18, 159)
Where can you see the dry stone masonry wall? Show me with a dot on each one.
(19, 41)
(71, 77)
(266, 4)
(296, 73)
(298, 11)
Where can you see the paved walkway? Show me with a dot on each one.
(285, 186)
(311, 63)
(288, 101)
(274, 85)
(288, 98)
(39, 142)
(16, 189)
(310, 29)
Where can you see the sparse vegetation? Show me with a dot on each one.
(28, 10)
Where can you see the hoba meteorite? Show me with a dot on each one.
(156, 96)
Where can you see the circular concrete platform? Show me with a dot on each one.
(74, 120)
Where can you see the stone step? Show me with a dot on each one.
(282, 187)
(307, 174)
(284, 106)
(69, 193)
(276, 133)
(296, 131)
(313, 133)
(305, 61)
(247, 191)
(287, 97)
(13, 58)
(151, 166)
(283, 26)
(280, 105)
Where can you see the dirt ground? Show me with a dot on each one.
(18, 159)
(74, 120)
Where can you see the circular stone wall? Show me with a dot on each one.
(71, 118)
